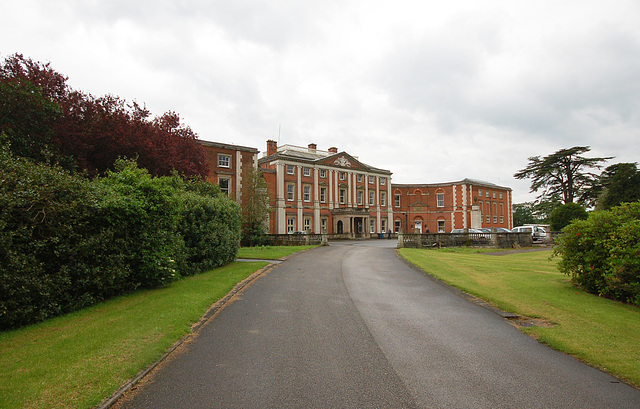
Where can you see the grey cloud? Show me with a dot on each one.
(569, 85)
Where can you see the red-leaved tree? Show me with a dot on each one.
(95, 131)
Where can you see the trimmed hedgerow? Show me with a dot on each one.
(602, 254)
(210, 226)
(67, 242)
(45, 216)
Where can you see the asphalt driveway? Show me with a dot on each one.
(351, 326)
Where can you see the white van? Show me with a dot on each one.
(538, 234)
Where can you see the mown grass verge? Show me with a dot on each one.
(78, 360)
(270, 252)
(598, 331)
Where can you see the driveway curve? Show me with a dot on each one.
(352, 326)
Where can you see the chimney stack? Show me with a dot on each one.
(333, 149)
(272, 147)
(312, 147)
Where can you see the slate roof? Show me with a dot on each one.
(317, 157)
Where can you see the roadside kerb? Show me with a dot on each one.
(211, 312)
(504, 314)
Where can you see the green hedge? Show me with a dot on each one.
(602, 253)
(210, 225)
(67, 242)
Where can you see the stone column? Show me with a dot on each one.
(316, 202)
(281, 217)
(299, 201)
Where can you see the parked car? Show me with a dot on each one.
(498, 230)
(477, 231)
(538, 234)
(473, 234)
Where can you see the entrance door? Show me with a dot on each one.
(358, 221)
(418, 226)
(340, 227)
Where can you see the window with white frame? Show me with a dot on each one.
(501, 219)
(383, 181)
(291, 170)
(323, 173)
(480, 192)
(372, 180)
(440, 199)
(343, 176)
(323, 195)
(487, 193)
(306, 171)
(398, 225)
(360, 197)
(383, 198)
(495, 219)
(290, 191)
(372, 226)
(224, 161)
(343, 194)
(494, 195)
(359, 178)
(397, 197)
(501, 196)
(324, 224)
(225, 185)
(306, 193)
(488, 219)
(307, 223)
(441, 226)
(291, 224)
(372, 198)
(384, 225)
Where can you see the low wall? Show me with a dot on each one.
(307, 239)
(500, 240)
(293, 239)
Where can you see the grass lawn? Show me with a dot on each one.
(270, 252)
(80, 359)
(603, 333)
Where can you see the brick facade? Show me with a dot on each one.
(227, 165)
(442, 207)
(331, 191)
(325, 191)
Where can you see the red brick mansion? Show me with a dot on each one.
(333, 192)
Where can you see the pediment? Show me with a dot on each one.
(343, 160)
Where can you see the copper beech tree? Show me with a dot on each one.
(39, 113)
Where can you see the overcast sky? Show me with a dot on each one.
(434, 91)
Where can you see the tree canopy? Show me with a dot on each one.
(563, 215)
(565, 175)
(255, 208)
(39, 112)
(619, 183)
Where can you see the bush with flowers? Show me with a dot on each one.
(602, 254)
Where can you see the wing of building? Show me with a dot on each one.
(313, 190)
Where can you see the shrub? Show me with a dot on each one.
(210, 228)
(142, 214)
(602, 253)
(563, 215)
(67, 242)
(45, 222)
